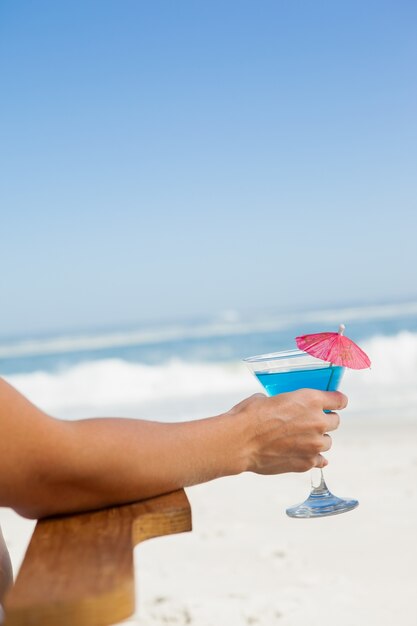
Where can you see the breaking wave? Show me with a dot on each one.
(389, 388)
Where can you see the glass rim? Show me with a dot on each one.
(285, 360)
(282, 354)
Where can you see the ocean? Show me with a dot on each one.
(193, 368)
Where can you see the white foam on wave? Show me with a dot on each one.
(389, 388)
(115, 384)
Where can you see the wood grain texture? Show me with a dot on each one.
(79, 569)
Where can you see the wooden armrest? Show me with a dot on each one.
(78, 569)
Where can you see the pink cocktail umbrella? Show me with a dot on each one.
(334, 348)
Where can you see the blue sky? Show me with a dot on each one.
(165, 159)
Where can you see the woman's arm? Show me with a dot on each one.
(50, 466)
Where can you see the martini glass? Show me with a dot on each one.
(290, 370)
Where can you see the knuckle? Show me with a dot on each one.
(255, 400)
(314, 395)
(318, 445)
(304, 464)
(321, 462)
(256, 397)
(333, 421)
(345, 400)
(321, 423)
(336, 419)
(326, 443)
(310, 396)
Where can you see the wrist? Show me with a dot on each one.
(215, 447)
(235, 434)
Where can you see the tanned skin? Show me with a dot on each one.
(49, 466)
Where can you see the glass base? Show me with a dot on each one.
(320, 503)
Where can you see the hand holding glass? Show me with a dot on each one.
(290, 370)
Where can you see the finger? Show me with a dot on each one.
(327, 443)
(334, 400)
(321, 461)
(331, 422)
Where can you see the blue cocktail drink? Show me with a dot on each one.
(283, 372)
(323, 378)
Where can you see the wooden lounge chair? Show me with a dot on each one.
(78, 569)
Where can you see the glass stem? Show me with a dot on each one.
(318, 484)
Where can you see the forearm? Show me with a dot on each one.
(50, 466)
(110, 461)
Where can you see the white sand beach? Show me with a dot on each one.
(247, 563)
